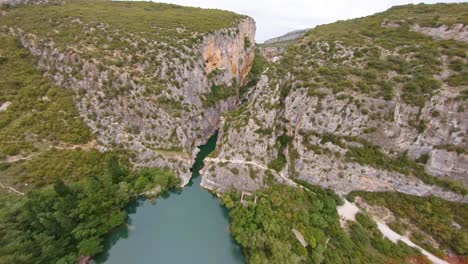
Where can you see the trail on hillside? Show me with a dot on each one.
(11, 189)
(347, 211)
(256, 164)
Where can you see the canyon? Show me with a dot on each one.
(375, 104)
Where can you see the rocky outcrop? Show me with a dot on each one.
(271, 53)
(229, 56)
(152, 193)
(456, 32)
(448, 163)
(271, 49)
(4, 106)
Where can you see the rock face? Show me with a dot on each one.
(149, 102)
(4, 106)
(443, 163)
(317, 96)
(271, 53)
(272, 48)
(456, 32)
(320, 163)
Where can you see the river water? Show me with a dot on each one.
(184, 227)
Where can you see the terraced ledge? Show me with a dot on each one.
(286, 180)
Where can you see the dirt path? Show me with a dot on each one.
(11, 189)
(349, 210)
(16, 158)
(62, 146)
(256, 164)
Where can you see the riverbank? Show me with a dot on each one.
(192, 221)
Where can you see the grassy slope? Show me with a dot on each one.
(38, 109)
(157, 21)
(414, 57)
(41, 115)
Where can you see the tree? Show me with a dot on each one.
(114, 170)
(90, 247)
(61, 189)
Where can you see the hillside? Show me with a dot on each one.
(142, 82)
(385, 102)
(101, 102)
(376, 104)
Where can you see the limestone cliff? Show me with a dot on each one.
(355, 105)
(143, 87)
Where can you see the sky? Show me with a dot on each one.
(277, 17)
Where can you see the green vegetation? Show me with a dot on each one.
(431, 15)
(157, 21)
(51, 165)
(280, 162)
(150, 177)
(258, 66)
(451, 147)
(362, 55)
(247, 43)
(60, 224)
(264, 230)
(431, 215)
(373, 156)
(419, 89)
(460, 78)
(218, 93)
(38, 110)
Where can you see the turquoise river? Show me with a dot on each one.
(190, 226)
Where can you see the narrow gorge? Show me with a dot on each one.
(342, 143)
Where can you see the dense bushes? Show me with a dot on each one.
(70, 165)
(419, 88)
(264, 229)
(150, 177)
(258, 66)
(59, 224)
(218, 93)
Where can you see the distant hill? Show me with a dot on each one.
(290, 36)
